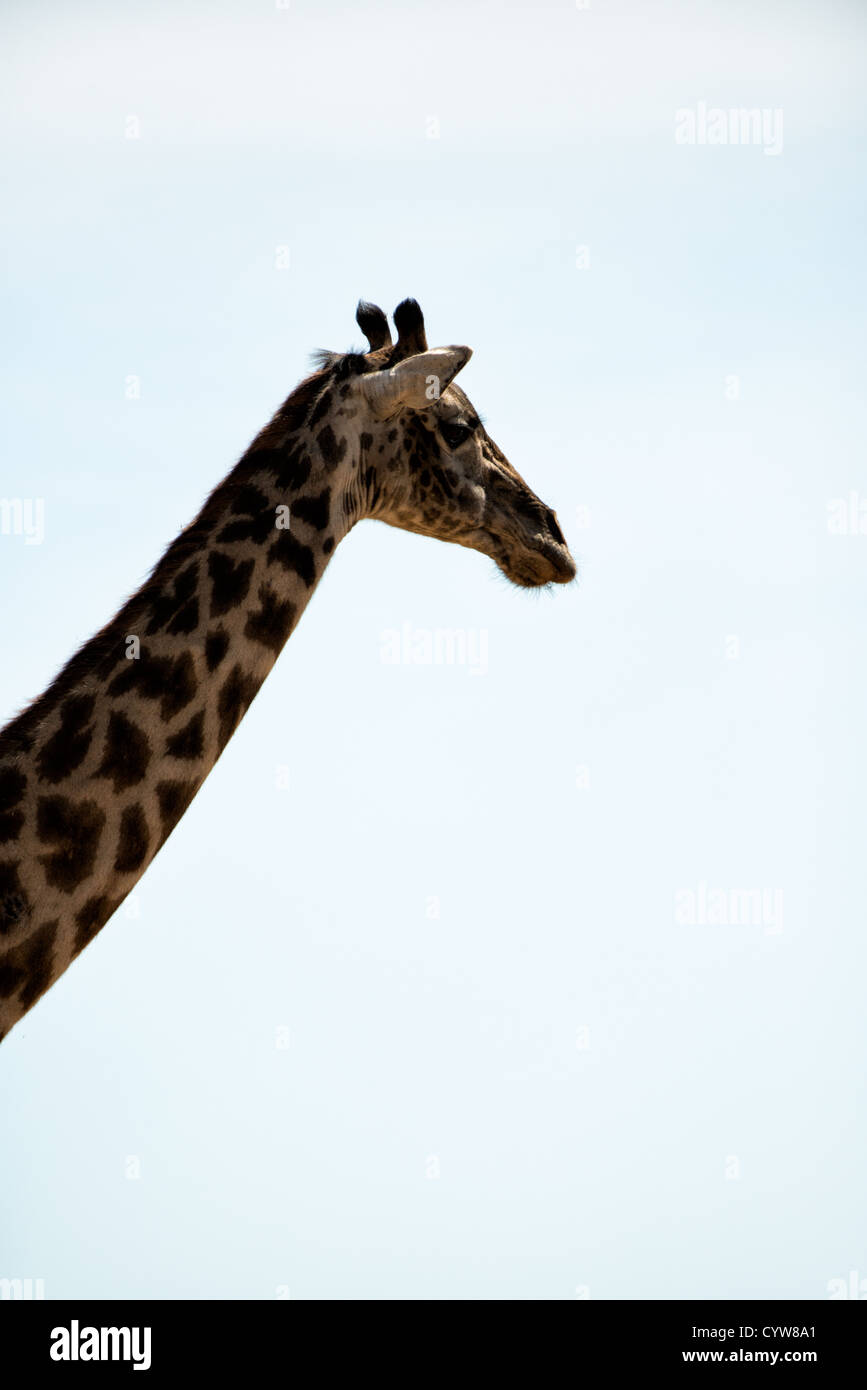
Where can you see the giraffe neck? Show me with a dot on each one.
(96, 774)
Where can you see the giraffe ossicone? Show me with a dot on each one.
(96, 772)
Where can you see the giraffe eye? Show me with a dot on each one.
(453, 433)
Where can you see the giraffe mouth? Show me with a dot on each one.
(533, 564)
(550, 564)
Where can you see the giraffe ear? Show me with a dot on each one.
(413, 384)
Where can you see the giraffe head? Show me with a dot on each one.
(425, 462)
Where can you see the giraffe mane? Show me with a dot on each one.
(99, 654)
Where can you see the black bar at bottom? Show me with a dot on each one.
(160, 1338)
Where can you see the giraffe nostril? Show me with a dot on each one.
(554, 528)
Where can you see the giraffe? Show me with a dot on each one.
(97, 771)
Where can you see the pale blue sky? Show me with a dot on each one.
(554, 1086)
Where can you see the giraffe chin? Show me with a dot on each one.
(537, 568)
